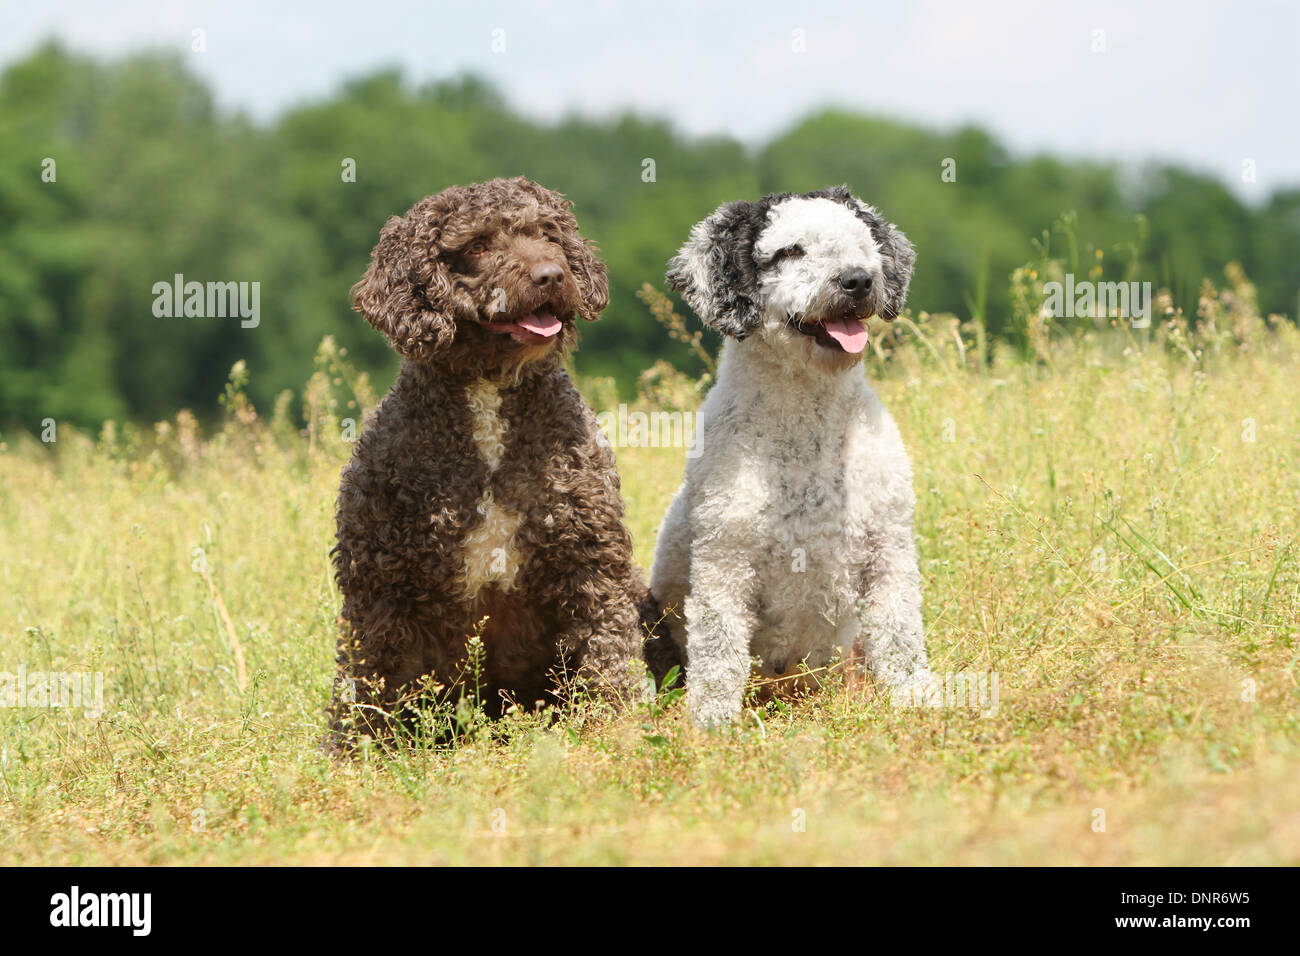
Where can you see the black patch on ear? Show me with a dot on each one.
(715, 270)
(895, 250)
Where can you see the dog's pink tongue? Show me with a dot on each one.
(540, 323)
(850, 333)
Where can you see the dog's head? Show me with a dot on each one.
(497, 270)
(802, 269)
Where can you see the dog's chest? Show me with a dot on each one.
(804, 504)
(806, 526)
(819, 456)
(797, 460)
(490, 553)
(808, 537)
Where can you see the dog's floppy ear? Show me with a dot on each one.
(715, 270)
(404, 291)
(896, 252)
(588, 271)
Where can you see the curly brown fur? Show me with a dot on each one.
(661, 653)
(479, 489)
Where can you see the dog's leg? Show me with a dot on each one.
(594, 602)
(368, 699)
(890, 611)
(668, 574)
(665, 646)
(720, 620)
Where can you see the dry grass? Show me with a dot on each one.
(1110, 527)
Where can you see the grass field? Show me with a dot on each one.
(1107, 521)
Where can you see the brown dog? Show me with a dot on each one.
(480, 497)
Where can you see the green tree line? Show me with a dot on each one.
(118, 175)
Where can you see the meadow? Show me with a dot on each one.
(1107, 522)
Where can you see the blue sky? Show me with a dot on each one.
(1207, 84)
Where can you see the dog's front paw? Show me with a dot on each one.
(711, 708)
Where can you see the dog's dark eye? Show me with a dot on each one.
(476, 248)
(789, 252)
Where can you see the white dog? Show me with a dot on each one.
(791, 538)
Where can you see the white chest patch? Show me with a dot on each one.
(490, 555)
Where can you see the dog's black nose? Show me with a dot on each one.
(547, 273)
(856, 282)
